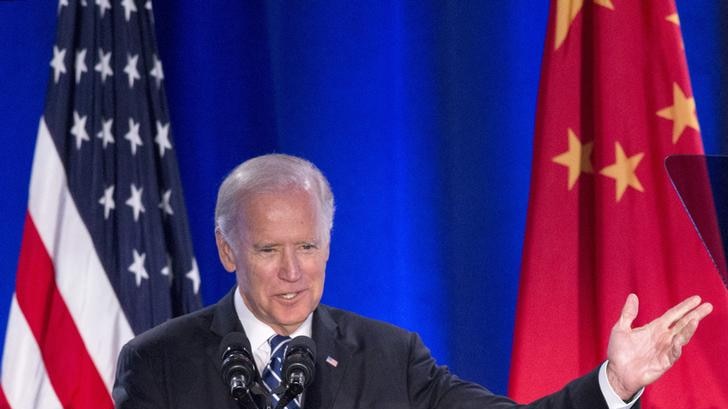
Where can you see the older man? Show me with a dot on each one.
(273, 221)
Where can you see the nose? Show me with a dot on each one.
(290, 267)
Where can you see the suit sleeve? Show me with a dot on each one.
(431, 386)
(138, 382)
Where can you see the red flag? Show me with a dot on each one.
(603, 220)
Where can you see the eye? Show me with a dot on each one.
(308, 246)
(266, 249)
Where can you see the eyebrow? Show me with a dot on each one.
(258, 246)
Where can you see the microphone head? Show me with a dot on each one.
(300, 359)
(237, 365)
(234, 341)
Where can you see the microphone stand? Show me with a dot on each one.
(247, 401)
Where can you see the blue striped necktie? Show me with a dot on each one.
(272, 372)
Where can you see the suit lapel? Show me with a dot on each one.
(224, 321)
(333, 357)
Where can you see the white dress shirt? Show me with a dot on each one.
(613, 400)
(258, 332)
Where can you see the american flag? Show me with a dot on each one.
(106, 250)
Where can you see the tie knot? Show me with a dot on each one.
(276, 341)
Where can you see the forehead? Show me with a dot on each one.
(279, 208)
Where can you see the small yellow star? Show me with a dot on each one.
(623, 171)
(566, 11)
(576, 158)
(682, 113)
(675, 19)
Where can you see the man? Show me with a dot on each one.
(273, 219)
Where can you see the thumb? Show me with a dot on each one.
(629, 312)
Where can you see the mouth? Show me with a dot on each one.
(289, 296)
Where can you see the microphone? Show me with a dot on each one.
(298, 368)
(238, 368)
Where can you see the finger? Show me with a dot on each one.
(675, 353)
(678, 311)
(695, 315)
(681, 339)
(629, 312)
(684, 336)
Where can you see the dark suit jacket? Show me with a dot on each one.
(175, 365)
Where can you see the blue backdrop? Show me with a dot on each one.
(420, 113)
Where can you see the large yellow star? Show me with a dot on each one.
(566, 11)
(682, 113)
(623, 171)
(576, 158)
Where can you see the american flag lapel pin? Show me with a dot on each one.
(331, 361)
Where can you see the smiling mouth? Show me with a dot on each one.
(289, 296)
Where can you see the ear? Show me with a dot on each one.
(225, 251)
(327, 250)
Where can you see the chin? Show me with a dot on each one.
(295, 317)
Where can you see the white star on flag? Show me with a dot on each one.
(131, 69)
(135, 201)
(137, 267)
(59, 66)
(79, 129)
(162, 138)
(167, 269)
(105, 133)
(107, 200)
(129, 6)
(80, 65)
(103, 5)
(148, 6)
(61, 4)
(157, 72)
(104, 65)
(133, 136)
(194, 276)
(165, 203)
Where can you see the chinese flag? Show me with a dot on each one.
(603, 219)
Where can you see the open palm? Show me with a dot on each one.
(639, 356)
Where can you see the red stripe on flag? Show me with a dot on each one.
(3, 401)
(64, 353)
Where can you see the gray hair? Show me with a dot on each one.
(272, 172)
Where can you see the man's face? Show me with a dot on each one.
(279, 257)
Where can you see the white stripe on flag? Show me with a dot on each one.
(26, 383)
(80, 277)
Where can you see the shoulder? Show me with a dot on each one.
(367, 332)
(351, 320)
(181, 332)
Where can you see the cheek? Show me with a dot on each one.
(315, 270)
(256, 275)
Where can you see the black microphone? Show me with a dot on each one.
(238, 367)
(298, 368)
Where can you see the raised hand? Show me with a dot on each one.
(639, 356)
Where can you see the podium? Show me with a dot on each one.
(701, 182)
